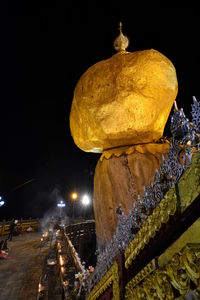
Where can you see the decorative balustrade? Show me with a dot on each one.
(179, 277)
(184, 143)
(77, 261)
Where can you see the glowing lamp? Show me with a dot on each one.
(61, 204)
(2, 203)
(74, 196)
(85, 200)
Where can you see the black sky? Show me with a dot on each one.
(45, 48)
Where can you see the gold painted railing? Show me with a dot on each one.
(188, 189)
(21, 226)
(180, 276)
(110, 278)
(177, 269)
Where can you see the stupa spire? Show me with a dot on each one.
(121, 42)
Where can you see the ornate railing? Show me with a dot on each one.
(77, 261)
(110, 278)
(180, 276)
(79, 232)
(156, 206)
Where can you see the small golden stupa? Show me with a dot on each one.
(120, 107)
(123, 100)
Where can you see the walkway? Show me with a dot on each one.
(19, 276)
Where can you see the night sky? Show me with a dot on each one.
(45, 48)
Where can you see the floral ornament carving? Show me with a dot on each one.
(148, 269)
(178, 274)
(181, 274)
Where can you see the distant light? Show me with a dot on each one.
(61, 204)
(74, 196)
(85, 200)
(0, 197)
(2, 203)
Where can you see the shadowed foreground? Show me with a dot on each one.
(19, 276)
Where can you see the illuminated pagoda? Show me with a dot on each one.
(146, 188)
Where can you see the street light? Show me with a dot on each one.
(74, 197)
(61, 205)
(85, 200)
(1, 202)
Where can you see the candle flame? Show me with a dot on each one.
(61, 260)
(40, 287)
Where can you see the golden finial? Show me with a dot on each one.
(121, 42)
(120, 27)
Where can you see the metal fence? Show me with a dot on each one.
(21, 226)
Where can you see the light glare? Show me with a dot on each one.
(74, 196)
(61, 204)
(85, 200)
(2, 203)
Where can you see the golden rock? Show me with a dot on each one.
(123, 100)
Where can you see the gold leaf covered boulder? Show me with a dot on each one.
(123, 100)
(120, 108)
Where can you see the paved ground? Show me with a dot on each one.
(19, 276)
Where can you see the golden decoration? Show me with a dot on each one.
(124, 100)
(121, 42)
(148, 269)
(151, 226)
(111, 277)
(189, 185)
(157, 286)
(182, 273)
(190, 236)
(178, 275)
(197, 292)
(189, 189)
(144, 148)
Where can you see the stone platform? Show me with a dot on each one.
(19, 275)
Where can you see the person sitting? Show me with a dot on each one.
(5, 245)
(4, 249)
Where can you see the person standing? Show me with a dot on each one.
(12, 229)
